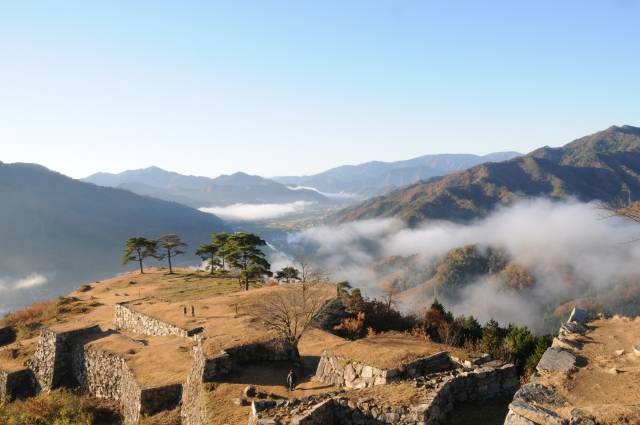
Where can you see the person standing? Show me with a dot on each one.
(292, 380)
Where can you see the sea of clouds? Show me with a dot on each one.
(257, 212)
(545, 236)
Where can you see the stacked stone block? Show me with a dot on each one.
(348, 373)
(129, 319)
(440, 393)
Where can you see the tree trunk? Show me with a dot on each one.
(140, 262)
(169, 257)
(213, 257)
(246, 284)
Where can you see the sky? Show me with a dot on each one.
(296, 87)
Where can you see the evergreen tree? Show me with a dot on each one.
(137, 249)
(287, 274)
(243, 252)
(209, 252)
(171, 245)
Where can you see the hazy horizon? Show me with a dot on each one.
(283, 88)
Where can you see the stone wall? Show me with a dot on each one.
(18, 384)
(344, 372)
(7, 335)
(194, 408)
(129, 319)
(559, 358)
(480, 384)
(106, 375)
(51, 362)
(222, 364)
(438, 393)
(158, 399)
(217, 367)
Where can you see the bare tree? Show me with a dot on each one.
(310, 271)
(304, 264)
(390, 289)
(292, 311)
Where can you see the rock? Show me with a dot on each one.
(249, 391)
(578, 417)
(240, 401)
(578, 315)
(556, 360)
(613, 371)
(570, 328)
(636, 350)
(260, 405)
(538, 393)
(536, 414)
(619, 352)
(566, 344)
(515, 419)
(367, 372)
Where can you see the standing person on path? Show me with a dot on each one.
(292, 380)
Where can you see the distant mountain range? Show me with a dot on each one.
(376, 177)
(60, 231)
(198, 192)
(602, 166)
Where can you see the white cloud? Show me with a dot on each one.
(340, 196)
(32, 280)
(543, 235)
(256, 212)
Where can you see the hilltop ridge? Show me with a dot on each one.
(59, 229)
(199, 192)
(602, 166)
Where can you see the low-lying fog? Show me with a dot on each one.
(257, 212)
(541, 235)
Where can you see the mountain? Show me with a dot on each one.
(64, 231)
(602, 166)
(374, 178)
(200, 192)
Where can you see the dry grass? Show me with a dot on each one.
(392, 394)
(60, 407)
(171, 417)
(388, 350)
(611, 397)
(29, 320)
(195, 286)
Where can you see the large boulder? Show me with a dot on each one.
(579, 315)
(536, 414)
(538, 393)
(515, 419)
(556, 360)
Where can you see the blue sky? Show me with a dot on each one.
(295, 87)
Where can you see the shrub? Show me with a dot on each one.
(541, 346)
(519, 344)
(492, 336)
(350, 327)
(471, 329)
(60, 407)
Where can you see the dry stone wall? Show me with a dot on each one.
(18, 384)
(106, 375)
(51, 362)
(219, 366)
(440, 392)
(484, 383)
(348, 373)
(526, 409)
(194, 408)
(157, 399)
(129, 319)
